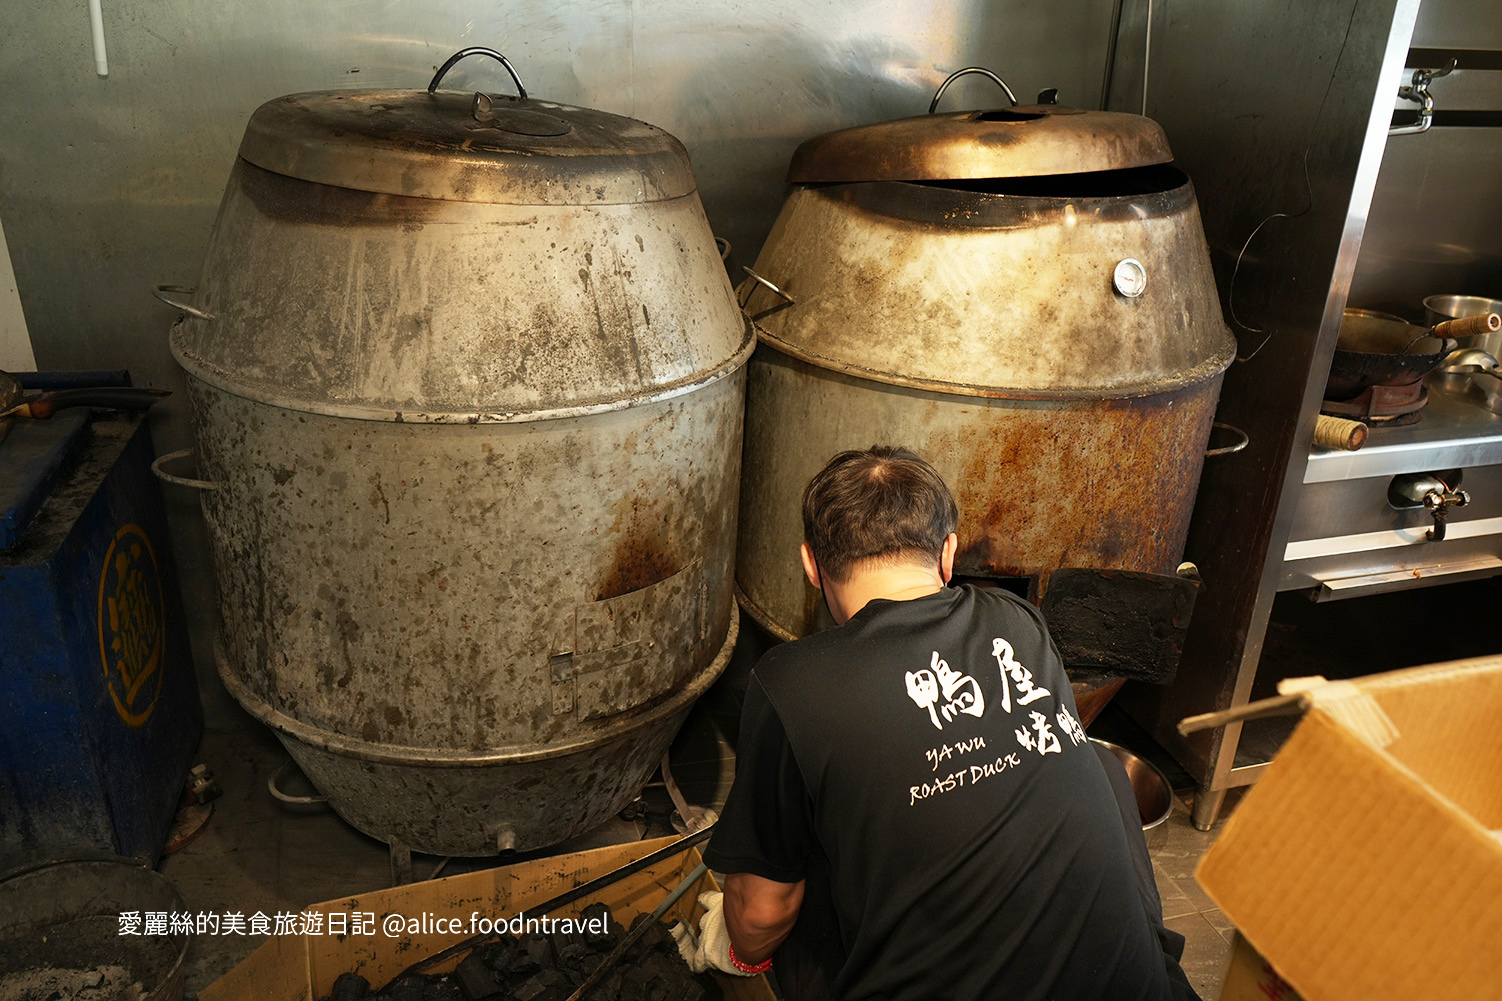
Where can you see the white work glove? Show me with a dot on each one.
(713, 951)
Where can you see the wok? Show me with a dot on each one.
(13, 404)
(1379, 349)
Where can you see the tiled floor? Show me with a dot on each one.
(260, 855)
(1176, 848)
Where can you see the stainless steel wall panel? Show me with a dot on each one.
(1433, 226)
(1472, 24)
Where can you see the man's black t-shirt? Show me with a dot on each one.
(931, 750)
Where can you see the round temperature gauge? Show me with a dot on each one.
(1130, 278)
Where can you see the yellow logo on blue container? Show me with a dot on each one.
(132, 624)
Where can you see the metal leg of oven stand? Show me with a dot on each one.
(401, 863)
(1207, 803)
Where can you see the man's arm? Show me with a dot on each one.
(759, 913)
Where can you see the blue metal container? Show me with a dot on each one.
(100, 698)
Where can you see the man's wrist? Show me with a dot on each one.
(749, 968)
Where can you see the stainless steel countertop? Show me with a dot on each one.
(1457, 432)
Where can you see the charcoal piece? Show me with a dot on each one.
(654, 939)
(497, 954)
(608, 989)
(662, 968)
(635, 984)
(475, 979)
(599, 927)
(408, 988)
(556, 980)
(532, 954)
(581, 969)
(549, 985)
(565, 940)
(443, 988)
(577, 964)
(571, 955)
(349, 987)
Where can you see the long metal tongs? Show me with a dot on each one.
(637, 932)
(678, 847)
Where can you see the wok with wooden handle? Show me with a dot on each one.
(1379, 349)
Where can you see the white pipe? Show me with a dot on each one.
(96, 21)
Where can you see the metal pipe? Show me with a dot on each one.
(96, 24)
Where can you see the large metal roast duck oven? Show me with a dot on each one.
(1025, 297)
(467, 374)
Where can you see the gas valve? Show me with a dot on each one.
(1433, 492)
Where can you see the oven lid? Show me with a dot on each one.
(1024, 141)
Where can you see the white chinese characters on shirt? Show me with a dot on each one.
(946, 694)
(959, 693)
(1027, 692)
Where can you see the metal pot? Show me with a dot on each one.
(467, 376)
(66, 920)
(1439, 308)
(1150, 787)
(1023, 295)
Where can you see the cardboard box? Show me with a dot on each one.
(304, 967)
(1368, 873)
(1249, 977)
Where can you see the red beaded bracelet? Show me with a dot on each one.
(762, 967)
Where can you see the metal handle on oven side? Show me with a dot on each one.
(159, 292)
(277, 793)
(1210, 453)
(182, 481)
(971, 69)
(478, 50)
(762, 281)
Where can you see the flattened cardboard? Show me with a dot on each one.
(303, 968)
(1367, 874)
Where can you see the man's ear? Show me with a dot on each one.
(810, 568)
(946, 556)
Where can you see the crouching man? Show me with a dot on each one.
(915, 801)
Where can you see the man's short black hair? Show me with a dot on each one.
(882, 503)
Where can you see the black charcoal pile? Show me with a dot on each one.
(550, 968)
